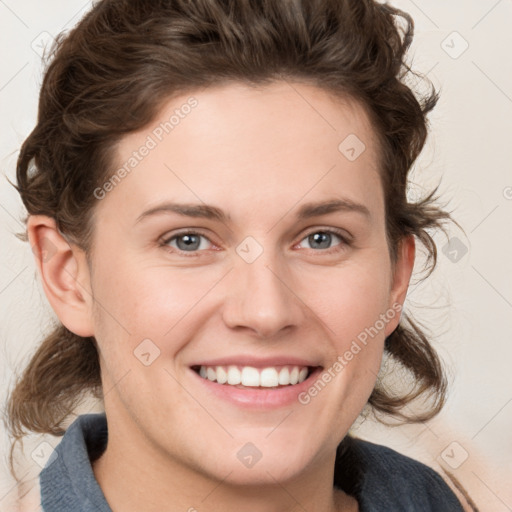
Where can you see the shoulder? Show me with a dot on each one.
(381, 477)
(67, 481)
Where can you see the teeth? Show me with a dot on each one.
(250, 376)
(234, 376)
(284, 376)
(269, 378)
(253, 377)
(222, 375)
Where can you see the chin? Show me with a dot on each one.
(261, 463)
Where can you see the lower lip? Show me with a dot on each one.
(259, 398)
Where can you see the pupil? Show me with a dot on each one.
(320, 238)
(190, 241)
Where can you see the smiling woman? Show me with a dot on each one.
(235, 290)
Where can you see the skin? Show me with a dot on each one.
(258, 154)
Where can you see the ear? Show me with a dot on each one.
(402, 272)
(64, 274)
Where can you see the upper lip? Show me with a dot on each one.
(257, 362)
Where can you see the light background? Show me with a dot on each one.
(467, 302)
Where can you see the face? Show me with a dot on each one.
(246, 242)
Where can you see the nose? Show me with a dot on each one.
(261, 297)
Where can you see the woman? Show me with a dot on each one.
(217, 202)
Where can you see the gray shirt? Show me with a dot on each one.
(380, 478)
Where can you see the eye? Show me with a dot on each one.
(188, 241)
(322, 239)
(193, 242)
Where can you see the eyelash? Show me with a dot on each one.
(331, 231)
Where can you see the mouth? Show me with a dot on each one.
(250, 377)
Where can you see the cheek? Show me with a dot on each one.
(137, 302)
(348, 299)
(351, 304)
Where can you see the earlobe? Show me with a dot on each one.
(64, 274)
(401, 278)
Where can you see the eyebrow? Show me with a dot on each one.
(206, 211)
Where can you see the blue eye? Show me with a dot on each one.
(192, 242)
(323, 239)
(187, 242)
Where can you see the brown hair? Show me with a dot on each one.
(110, 75)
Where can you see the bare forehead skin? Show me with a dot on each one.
(279, 139)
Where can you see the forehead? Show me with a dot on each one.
(250, 147)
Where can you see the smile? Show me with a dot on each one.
(249, 376)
